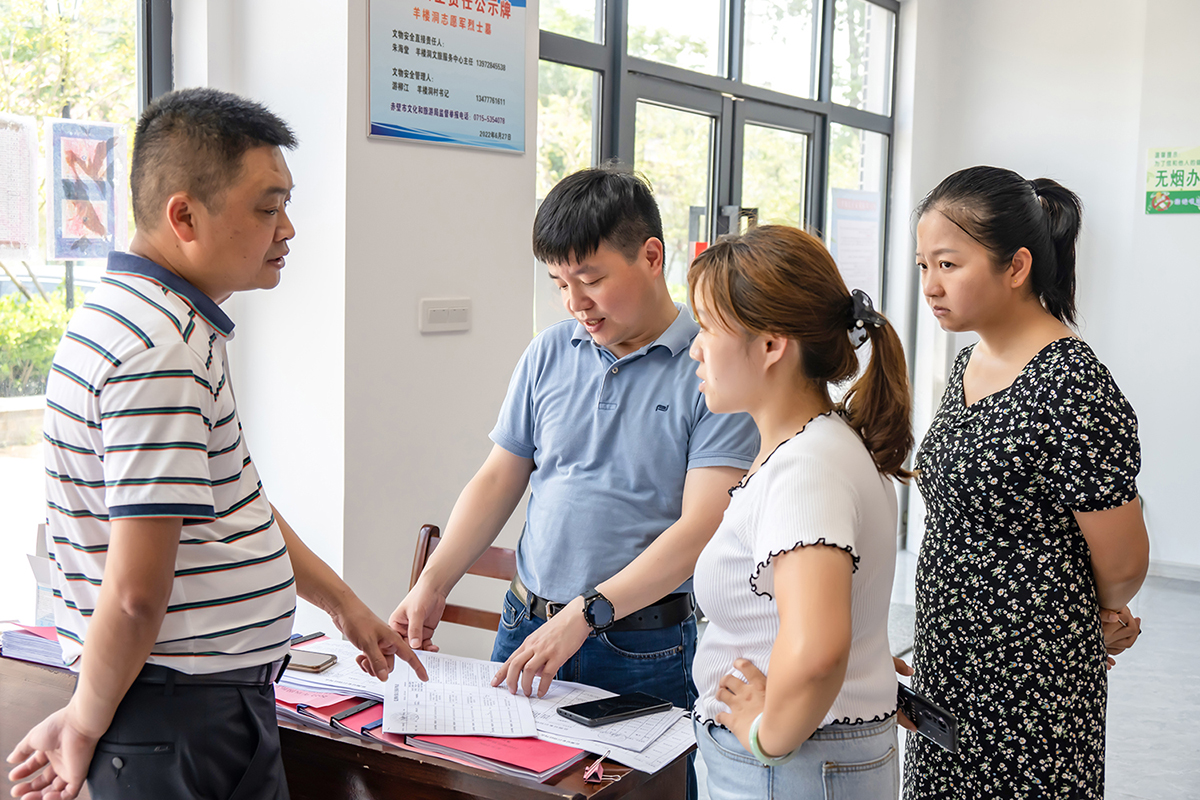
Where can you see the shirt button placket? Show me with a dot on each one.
(606, 388)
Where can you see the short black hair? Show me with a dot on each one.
(193, 140)
(608, 204)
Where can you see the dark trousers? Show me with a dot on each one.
(210, 741)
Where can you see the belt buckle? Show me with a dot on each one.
(553, 608)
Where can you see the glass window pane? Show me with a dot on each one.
(856, 206)
(583, 19)
(566, 122)
(862, 56)
(773, 174)
(781, 45)
(673, 149)
(683, 33)
(59, 60)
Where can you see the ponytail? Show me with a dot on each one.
(779, 280)
(1064, 216)
(879, 405)
(1004, 212)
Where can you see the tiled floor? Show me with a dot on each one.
(1153, 694)
(1154, 699)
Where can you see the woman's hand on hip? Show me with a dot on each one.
(745, 698)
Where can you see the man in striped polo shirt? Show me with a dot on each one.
(176, 578)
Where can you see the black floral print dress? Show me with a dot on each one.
(1008, 635)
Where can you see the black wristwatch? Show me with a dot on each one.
(598, 611)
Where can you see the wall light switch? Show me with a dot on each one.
(443, 315)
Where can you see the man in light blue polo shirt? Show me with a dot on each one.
(629, 471)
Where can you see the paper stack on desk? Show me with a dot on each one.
(459, 700)
(646, 743)
(344, 677)
(29, 643)
(632, 734)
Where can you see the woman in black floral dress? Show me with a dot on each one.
(1033, 530)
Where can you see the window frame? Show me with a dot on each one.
(622, 75)
(155, 69)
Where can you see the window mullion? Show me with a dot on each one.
(736, 40)
(729, 153)
(621, 123)
(573, 52)
(155, 75)
(825, 79)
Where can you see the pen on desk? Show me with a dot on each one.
(308, 637)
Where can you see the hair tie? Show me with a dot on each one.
(862, 314)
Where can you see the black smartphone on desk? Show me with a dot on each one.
(614, 709)
(933, 722)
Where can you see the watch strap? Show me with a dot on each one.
(589, 599)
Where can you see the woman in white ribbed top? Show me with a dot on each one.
(797, 690)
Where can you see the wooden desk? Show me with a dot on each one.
(324, 765)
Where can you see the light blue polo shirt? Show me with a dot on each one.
(611, 440)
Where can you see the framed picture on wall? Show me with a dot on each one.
(85, 198)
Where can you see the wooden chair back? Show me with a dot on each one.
(496, 562)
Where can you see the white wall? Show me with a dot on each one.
(1152, 288)
(1076, 92)
(427, 221)
(288, 354)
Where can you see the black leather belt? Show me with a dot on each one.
(262, 675)
(671, 610)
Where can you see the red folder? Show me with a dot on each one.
(325, 713)
(526, 757)
(359, 722)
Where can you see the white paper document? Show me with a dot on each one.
(457, 699)
(634, 734)
(344, 677)
(662, 751)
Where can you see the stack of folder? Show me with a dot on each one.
(522, 758)
(29, 643)
(363, 717)
(459, 716)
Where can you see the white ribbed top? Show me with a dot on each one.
(819, 487)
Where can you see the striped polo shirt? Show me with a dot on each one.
(141, 422)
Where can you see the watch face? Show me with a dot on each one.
(601, 611)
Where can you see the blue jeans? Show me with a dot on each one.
(656, 662)
(842, 762)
